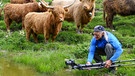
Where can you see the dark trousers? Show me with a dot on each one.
(108, 51)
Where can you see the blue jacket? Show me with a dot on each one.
(108, 37)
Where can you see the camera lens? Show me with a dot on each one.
(69, 62)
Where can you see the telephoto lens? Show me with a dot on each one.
(69, 62)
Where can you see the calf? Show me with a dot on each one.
(47, 23)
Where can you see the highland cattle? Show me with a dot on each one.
(48, 23)
(114, 7)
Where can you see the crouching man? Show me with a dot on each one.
(104, 43)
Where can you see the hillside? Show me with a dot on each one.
(49, 58)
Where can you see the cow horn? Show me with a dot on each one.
(53, 6)
(43, 3)
(69, 5)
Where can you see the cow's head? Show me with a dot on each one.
(88, 5)
(58, 11)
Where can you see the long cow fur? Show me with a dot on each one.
(120, 7)
(47, 23)
(17, 12)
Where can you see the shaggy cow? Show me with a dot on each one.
(121, 7)
(82, 12)
(21, 1)
(47, 23)
(17, 12)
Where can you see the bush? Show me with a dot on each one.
(72, 37)
(2, 25)
(81, 51)
(68, 26)
(127, 42)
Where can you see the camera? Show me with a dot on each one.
(70, 62)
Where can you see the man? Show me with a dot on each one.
(104, 43)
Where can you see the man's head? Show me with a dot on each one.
(98, 32)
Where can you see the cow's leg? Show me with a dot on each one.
(109, 20)
(23, 27)
(22, 31)
(8, 23)
(81, 30)
(77, 22)
(46, 36)
(53, 37)
(35, 37)
(78, 28)
(28, 33)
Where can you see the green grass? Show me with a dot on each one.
(49, 58)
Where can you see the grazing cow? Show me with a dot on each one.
(17, 12)
(120, 7)
(21, 1)
(47, 23)
(82, 12)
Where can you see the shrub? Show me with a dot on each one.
(72, 38)
(81, 51)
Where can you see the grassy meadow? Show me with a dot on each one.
(49, 58)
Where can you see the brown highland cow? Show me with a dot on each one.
(82, 12)
(48, 23)
(120, 7)
(17, 12)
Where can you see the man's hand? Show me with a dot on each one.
(108, 63)
(88, 63)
